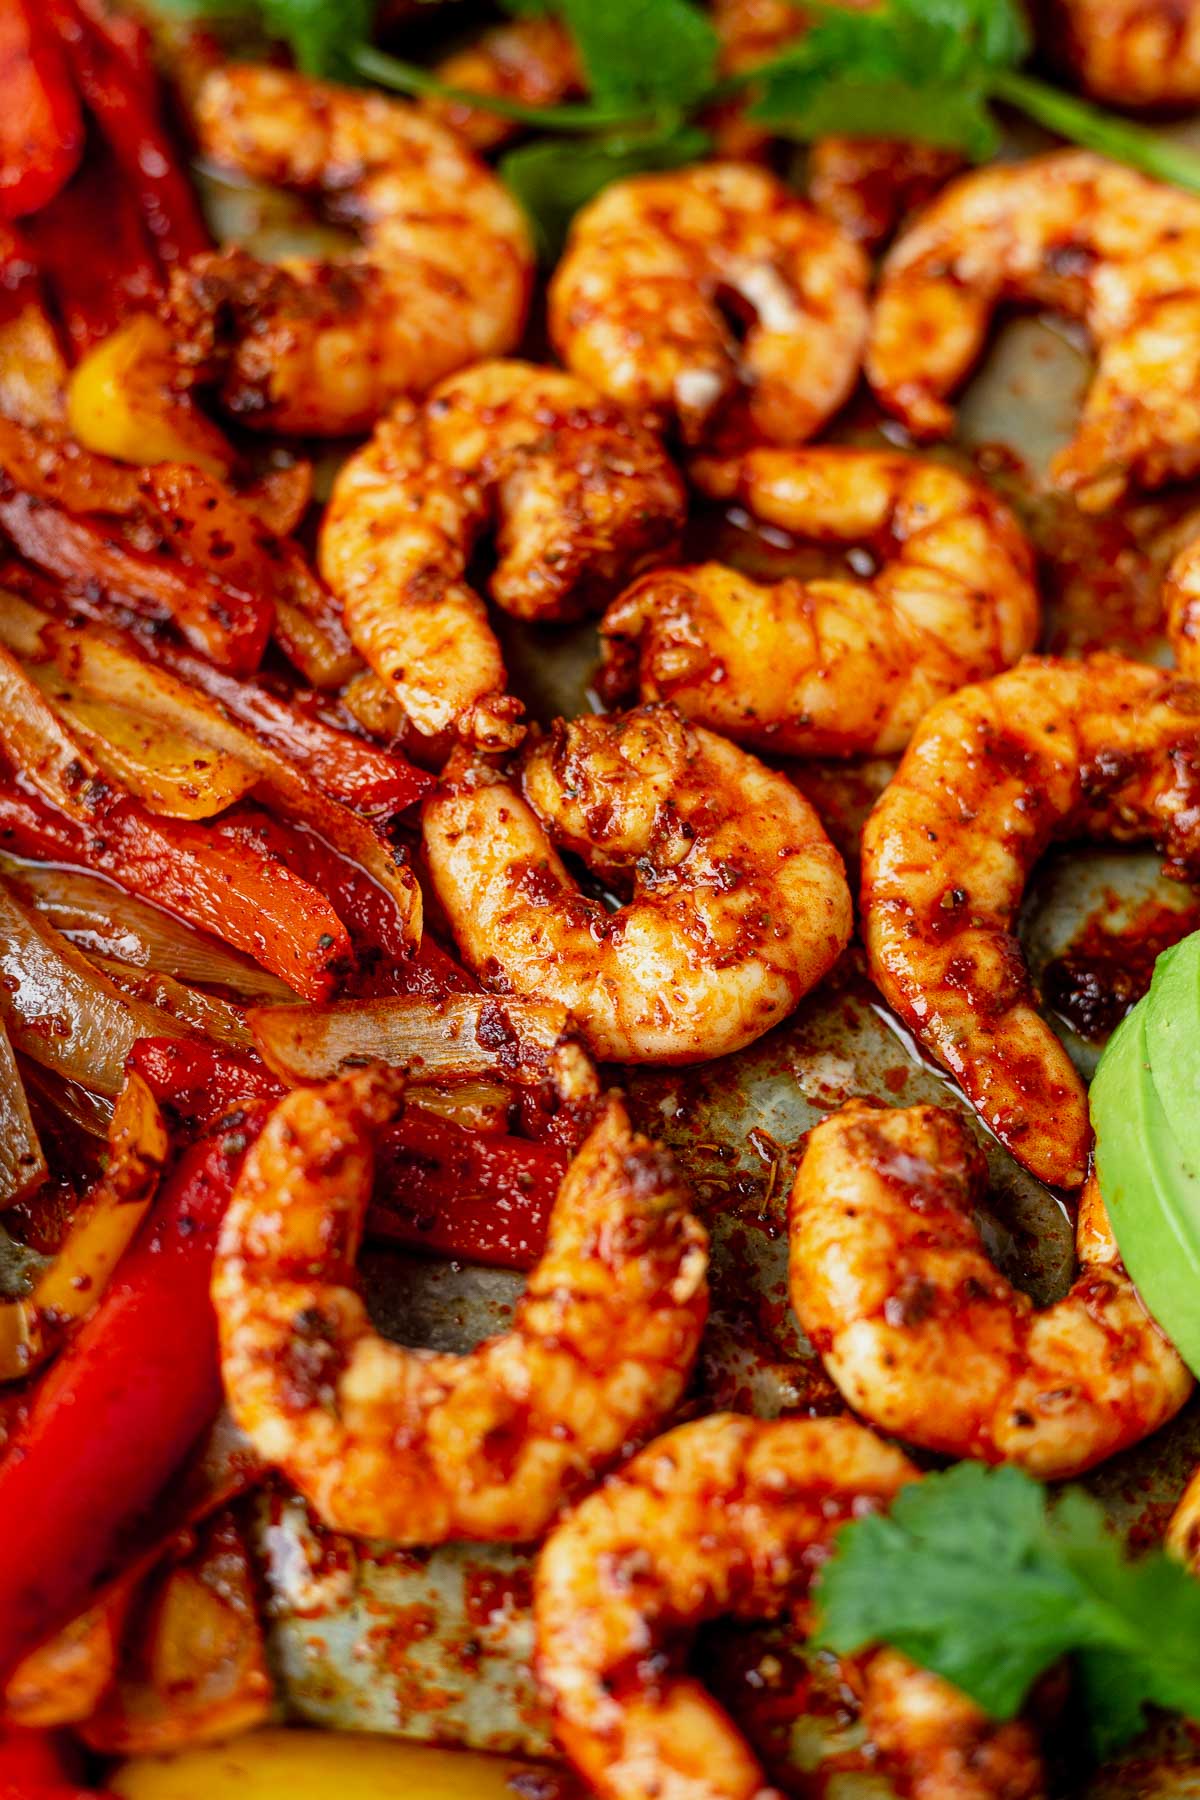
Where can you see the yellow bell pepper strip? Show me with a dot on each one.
(324, 1765)
(123, 401)
(143, 1373)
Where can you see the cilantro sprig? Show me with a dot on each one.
(980, 1576)
(931, 71)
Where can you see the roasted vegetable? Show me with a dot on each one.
(33, 373)
(60, 1011)
(469, 1194)
(326, 1765)
(22, 1162)
(93, 253)
(143, 1373)
(41, 128)
(100, 1231)
(104, 921)
(226, 877)
(122, 401)
(192, 1662)
(464, 1035)
(111, 58)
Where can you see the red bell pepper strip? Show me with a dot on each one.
(111, 58)
(377, 783)
(196, 1080)
(94, 254)
(41, 127)
(383, 962)
(33, 1767)
(116, 1415)
(441, 1188)
(222, 876)
(229, 627)
(20, 276)
(471, 1194)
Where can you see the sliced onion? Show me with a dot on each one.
(105, 921)
(170, 773)
(33, 374)
(464, 1035)
(194, 1666)
(22, 1161)
(60, 1011)
(66, 1103)
(308, 624)
(377, 710)
(106, 670)
(216, 1018)
(55, 1678)
(62, 1681)
(100, 1231)
(475, 1105)
(281, 495)
(37, 741)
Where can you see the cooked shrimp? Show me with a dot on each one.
(1091, 239)
(865, 184)
(830, 667)
(417, 1446)
(1181, 607)
(442, 277)
(1134, 52)
(532, 60)
(1049, 750)
(923, 1335)
(636, 302)
(737, 901)
(1183, 1533)
(580, 498)
(730, 1515)
(869, 186)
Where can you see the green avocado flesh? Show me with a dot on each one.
(1150, 1184)
(1173, 1037)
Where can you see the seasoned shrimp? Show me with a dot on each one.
(843, 667)
(417, 1446)
(1181, 608)
(731, 1515)
(923, 1335)
(737, 901)
(1134, 52)
(869, 186)
(1183, 1532)
(442, 278)
(994, 774)
(866, 185)
(532, 60)
(580, 498)
(636, 302)
(1091, 239)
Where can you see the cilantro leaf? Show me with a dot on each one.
(973, 1574)
(644, 54)
(321, 34)
(553, 178)
(911, 68)
(806, 107)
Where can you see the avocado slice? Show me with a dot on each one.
(1173, 1036)
(1151, 1187)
